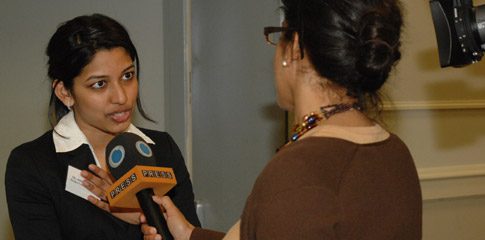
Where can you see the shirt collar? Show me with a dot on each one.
(359, 135)
(67, 135)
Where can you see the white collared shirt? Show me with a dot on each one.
(68, 136)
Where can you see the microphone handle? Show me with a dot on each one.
(153, 213)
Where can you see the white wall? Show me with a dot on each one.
(25, 28)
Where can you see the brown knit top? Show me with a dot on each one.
(331, 188)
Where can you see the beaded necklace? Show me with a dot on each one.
(312, 119)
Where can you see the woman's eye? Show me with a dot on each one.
(128, 75)
(98, 84)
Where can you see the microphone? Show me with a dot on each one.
(132, 163)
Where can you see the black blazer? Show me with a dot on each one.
(41, 208)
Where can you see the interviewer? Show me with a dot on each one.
(342, 175)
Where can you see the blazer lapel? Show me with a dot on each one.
(79, 158)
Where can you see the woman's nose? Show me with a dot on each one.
(118, 94)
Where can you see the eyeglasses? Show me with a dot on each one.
(273, 34)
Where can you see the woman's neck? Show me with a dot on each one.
(311, 96)
(98, 141)
(314, 93)
(97, 138)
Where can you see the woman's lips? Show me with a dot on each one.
(120, 117)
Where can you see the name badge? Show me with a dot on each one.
(74, 183)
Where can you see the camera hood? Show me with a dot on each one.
(460, 31)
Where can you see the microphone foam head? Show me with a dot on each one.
(125, 151)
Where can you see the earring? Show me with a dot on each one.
(69, 105)
(284, 63)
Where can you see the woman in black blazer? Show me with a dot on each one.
(94, 69)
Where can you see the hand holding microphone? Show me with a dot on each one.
(131, 162)
(180, 228)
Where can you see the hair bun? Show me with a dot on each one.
(375, 56)
(378, 51)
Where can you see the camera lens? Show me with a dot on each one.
(460, 31)
(480, 20)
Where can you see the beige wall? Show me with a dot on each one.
(440, 114)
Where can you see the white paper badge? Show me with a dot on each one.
(74, 183)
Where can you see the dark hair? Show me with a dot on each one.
(353, 43)
(74, 45)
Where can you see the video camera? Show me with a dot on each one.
(460, 31)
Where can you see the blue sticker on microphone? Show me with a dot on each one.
(116, 156)
(143, 149)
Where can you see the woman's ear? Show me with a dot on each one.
(63, 93)
(295, 47)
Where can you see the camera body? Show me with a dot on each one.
(460, 31)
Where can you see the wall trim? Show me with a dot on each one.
(457, 181)
(187, 8)
(447, 172)
(434, 105)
